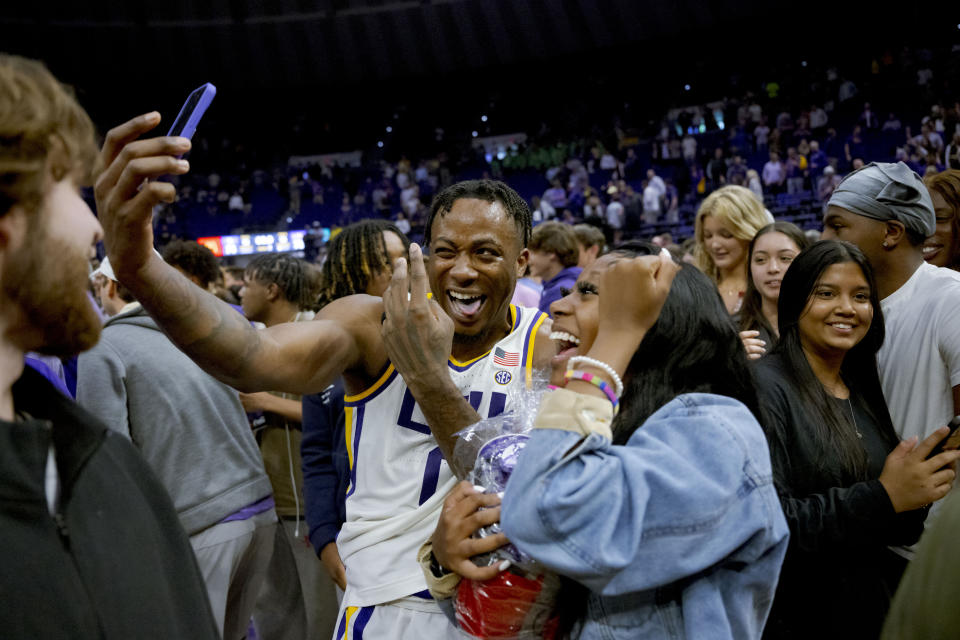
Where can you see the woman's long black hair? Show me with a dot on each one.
(834, 429)
(691, 348)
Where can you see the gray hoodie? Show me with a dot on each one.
(191, 429)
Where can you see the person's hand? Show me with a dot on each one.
(330, 558)
(417, 334)
(911, 480)
(754, 346)
(253, 402)
(126, 190)
(632, 293)
(462, 515)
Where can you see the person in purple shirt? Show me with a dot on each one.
(554, 254)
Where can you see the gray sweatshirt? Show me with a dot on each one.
(191, 429)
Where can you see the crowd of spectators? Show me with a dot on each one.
(791, 145)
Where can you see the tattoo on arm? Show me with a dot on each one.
(218, 338)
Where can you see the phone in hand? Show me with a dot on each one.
(951, 441)
(192, 110)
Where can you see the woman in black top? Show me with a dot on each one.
(847, 487)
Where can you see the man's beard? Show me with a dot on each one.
(48, 281)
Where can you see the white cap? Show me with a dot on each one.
(106, 268)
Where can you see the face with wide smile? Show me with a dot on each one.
(727, 251)
(838, 312)
(576, 317)
(476, 256)
(772, 254)
(942, 249)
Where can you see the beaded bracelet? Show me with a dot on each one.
(603, 366)
(597, 382)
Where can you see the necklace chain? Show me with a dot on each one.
(854, 418)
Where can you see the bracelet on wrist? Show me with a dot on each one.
(584, 376)
(437, 570)
(603, 366)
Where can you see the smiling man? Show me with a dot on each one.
(886, 210)
(416, 370)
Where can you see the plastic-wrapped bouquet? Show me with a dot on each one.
(519, 603)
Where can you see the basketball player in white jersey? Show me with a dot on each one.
(416, 370)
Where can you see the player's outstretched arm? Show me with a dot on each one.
(297, 358)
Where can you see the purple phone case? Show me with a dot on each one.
(192, 110)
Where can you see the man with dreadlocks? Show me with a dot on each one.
(359, 260)
(457, 355)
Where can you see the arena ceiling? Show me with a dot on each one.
(266, 43)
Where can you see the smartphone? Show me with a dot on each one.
(952, 441)
(191, 112)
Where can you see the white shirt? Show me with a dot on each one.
(657, 183)
(615, 214)
(651, 198)
(398, 476)
(920, 357)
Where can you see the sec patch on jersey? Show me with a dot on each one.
(502, 377)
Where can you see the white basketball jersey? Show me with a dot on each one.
(399, 478)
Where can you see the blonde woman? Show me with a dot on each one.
(727, 221)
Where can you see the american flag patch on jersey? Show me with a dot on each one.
(505, 358)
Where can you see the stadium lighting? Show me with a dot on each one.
(389, 129)
(380, 144)
(686, 87)
(474, 134)
(483, 118)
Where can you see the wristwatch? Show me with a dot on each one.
(436, 570)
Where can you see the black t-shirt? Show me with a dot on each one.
(839, 575)
(876, 441)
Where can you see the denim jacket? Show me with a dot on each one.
(677, 534)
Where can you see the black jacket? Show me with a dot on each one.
(113, 562)
(839, 575)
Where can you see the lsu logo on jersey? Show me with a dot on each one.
(503, 377)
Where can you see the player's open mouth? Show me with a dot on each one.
(466, 305)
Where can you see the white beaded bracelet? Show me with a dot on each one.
(603, 366)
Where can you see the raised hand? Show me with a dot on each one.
(462, 515)
(126, 191)
(632, 292)
(417, 334)
(911, 480)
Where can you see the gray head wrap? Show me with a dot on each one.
(887, 191)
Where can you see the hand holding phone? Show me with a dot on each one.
(951, 441)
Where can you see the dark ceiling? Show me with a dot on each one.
(322, 55)
(255, 43)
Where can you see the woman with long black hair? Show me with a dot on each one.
(847, 487)
(662, 515)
